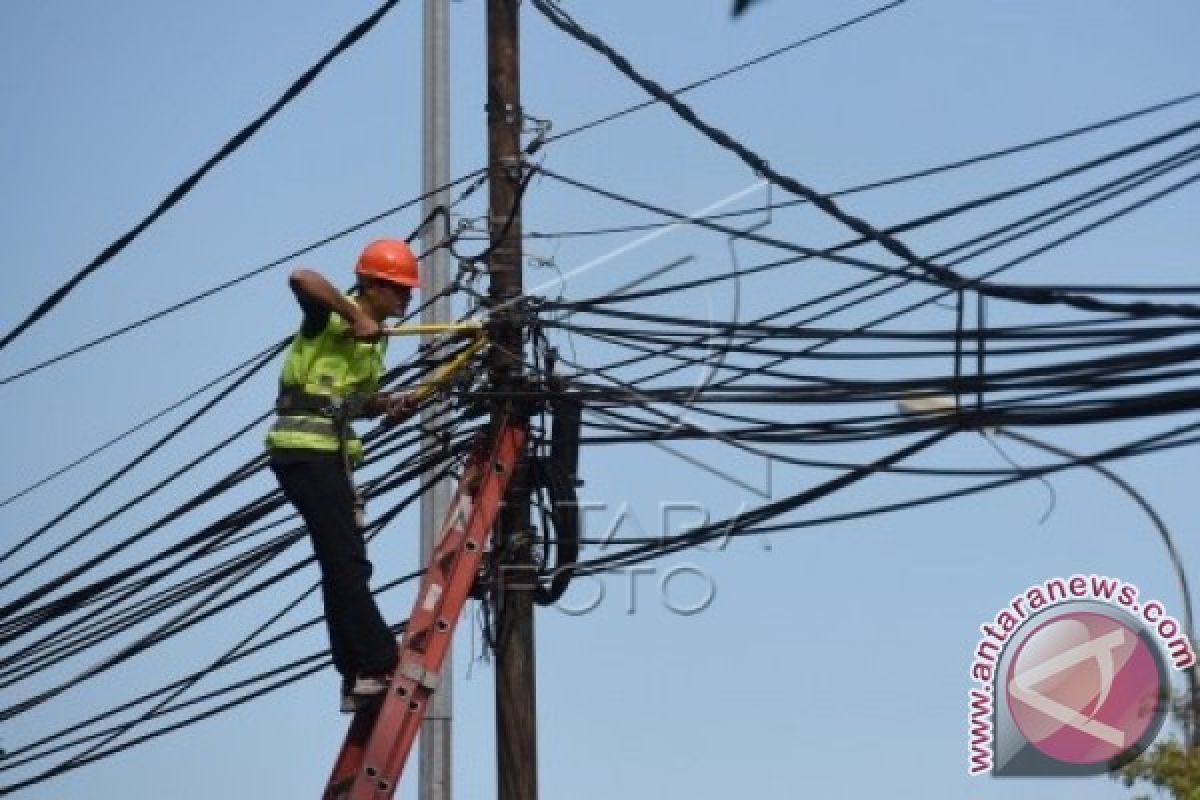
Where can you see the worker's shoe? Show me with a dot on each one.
(350, 703)
(360, 692)
(370, 685)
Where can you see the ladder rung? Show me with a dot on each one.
(418, 674)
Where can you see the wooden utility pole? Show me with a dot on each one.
(516, 700)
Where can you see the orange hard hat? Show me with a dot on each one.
(389, 260)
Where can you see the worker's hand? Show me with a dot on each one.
(469, 331)
(365, 329)
(400, 406)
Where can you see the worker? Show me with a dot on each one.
(330, 377)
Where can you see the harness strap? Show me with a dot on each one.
(294, 400)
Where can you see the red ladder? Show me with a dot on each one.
(381, 736)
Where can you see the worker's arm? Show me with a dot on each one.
(313, 291)
(397, 405)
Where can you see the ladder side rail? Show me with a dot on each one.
(381, 737)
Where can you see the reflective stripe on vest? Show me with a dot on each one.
(322, 426)
(311, 433)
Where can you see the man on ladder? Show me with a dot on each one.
(331, 376)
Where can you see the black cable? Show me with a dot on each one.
(229, 284)
(78, 599)
(279, 683)
(908, 177)
(122, 472)
(232, 654)
(180, 191)
(731, 70)
(777, 507)
(380, 484)
(555, 475)
(649, 548)
(110, 619)
(1023, 294)
(823, 202)
(1074, 205)
(62, 580)
(1168, 408)
(208, 537)
(198, 613)
(73, 601)
(1005, 266)
(670, 343)
(132, 430)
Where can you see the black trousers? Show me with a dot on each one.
(320, 489)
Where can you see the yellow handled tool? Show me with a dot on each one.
(447, 371)
(474, 327)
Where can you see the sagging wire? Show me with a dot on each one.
(263, 360)
(1007, 265)
(102, 745)
(235, 281)
(180, 191)
(934, 272)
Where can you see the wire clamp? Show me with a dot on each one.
(539, 128)
(510, 112)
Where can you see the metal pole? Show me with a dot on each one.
(947, 406)
(1192, 723)
(434, 751)
(516, 704)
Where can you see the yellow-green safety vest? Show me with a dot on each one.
(332, 366)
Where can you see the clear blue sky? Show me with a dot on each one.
(833, 663)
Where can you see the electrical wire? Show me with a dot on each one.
(235, 281)
(883, 238)
(179, 192)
